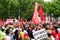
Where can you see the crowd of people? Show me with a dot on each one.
(23, 30)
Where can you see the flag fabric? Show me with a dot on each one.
(35, 18)
(41, 13)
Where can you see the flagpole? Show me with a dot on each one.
(52, 17)
(19, 12)
(49, 18)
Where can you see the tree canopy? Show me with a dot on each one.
(25, 8)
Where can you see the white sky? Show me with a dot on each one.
(47, 0)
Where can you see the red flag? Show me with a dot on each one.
(41, 13)
(35, 15)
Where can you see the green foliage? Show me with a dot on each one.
(8, 7)
(52, 7)
(25, 8)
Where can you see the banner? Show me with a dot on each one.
(40, 34)
(35, 18)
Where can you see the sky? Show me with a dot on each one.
(47, 0)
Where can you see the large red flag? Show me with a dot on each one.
(35, 14)
(41, 13)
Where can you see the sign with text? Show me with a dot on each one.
(40, 34)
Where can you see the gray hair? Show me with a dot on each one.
(6, 38)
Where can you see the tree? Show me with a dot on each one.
(52, 8)
(25, 8)
(8, 7)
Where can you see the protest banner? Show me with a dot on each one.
(36, 18)
(40, 34)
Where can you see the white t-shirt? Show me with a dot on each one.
(52, 38)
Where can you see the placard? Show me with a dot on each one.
(40, 34)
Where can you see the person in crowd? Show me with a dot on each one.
(6, 38)
(18, 36)
(35, 29)
(9, 33)
(23, 30)
(56, 33)
(50, 37)
(29, 30)
(26, 36)
(21, 33)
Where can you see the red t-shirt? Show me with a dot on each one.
(55, 35)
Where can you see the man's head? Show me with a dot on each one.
(6, 38)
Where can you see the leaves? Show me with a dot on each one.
(25, 8)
